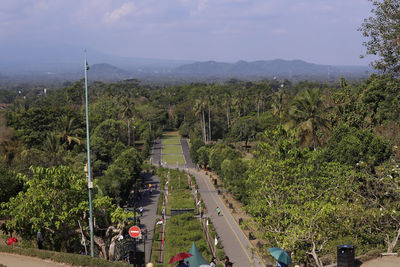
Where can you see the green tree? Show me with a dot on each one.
(383, 33)
(349, 145)
(10, 184)
(121, 175)
(308, 112)
(297, 200)
(56, 202)
(243, 129)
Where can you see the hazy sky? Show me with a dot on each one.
(318, 31)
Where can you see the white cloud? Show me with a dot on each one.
(116, 14)
(203, 4)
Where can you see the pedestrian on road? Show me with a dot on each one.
(182, 264)
(213, 262)
(141, 211)
(227, 262)
(218, 210)
(39, 239)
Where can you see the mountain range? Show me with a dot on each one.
(66, 63)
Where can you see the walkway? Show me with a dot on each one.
(235, 243)
(149, 204)
(15, 260)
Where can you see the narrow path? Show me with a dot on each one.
(15, 260)
(147, 221)
(236, 246)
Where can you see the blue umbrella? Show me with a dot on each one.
(280, 255)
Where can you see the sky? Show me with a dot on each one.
(317, 31)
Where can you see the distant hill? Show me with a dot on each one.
(27, 62)
(268, 68)
(107, 72)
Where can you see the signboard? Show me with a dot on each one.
(134, 231)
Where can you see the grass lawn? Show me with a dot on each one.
(171, 150)
(172, 159)
(180, 199)
(171, 135)
(171, 141)
(181, 231)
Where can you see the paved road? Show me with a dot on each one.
(186, 154)
(235, 243)
(149, 204)
(155, 158)
(15, 260)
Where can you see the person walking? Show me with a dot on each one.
(182, 264)
(213, 262)
(227, 262)
(218, 210)
(39, 239)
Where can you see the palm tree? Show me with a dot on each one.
(278, 105)
(227, 104)
(128, 114)
(209, 102)
(69, 131)
(199, 108)
(308, 111)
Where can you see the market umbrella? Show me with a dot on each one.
(280, 255)
(197, 259)
(179, 257)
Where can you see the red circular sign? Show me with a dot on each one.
(134, 231)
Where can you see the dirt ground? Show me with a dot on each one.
(386, 261)
(14, 260)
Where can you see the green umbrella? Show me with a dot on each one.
(197, 259)
(280, 255)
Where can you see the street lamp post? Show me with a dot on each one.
(90, 183)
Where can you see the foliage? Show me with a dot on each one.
(219, 153)
(33, 125)
(10, 184)
(349, 145)
(296, 199)
(383, 31)
(55, 201)
(121, 175)
(235, 176)
(308, 112)
(195, 144)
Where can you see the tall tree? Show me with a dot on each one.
(383, 33)
(128, 114)
(308, 112)
(199, 110)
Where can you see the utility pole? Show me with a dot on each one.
(89, 174)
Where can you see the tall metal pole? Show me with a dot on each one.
(90, 184)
